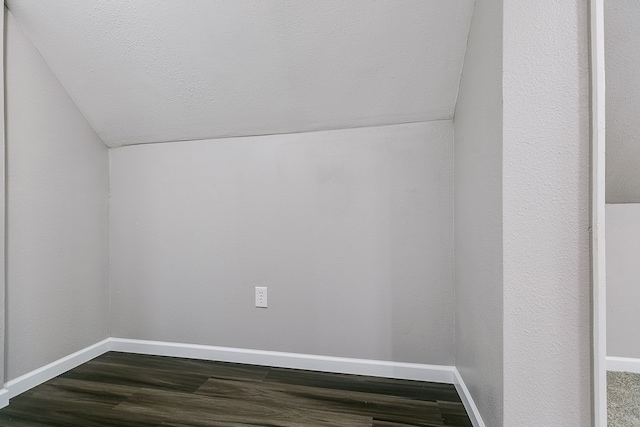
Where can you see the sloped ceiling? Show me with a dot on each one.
(168, 70)
(622, 74)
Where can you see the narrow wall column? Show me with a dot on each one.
(2, 214)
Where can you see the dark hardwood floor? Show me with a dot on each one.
(119, 389)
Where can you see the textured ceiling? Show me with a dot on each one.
(167, 70)
(622, 59)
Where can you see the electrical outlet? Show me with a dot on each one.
(261, 296)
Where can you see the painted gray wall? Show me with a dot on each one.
(546, 213)
(623, 279)
(622, 61)
(350, 230)
(57, 216)
(478, 213)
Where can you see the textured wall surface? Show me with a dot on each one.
(167, 70)
(350, 230)
(57, 216)
(623, 280)
(478, 213)
(546, 213)
(622, 60)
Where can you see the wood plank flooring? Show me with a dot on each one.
(120, 389)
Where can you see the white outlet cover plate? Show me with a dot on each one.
(261, 296)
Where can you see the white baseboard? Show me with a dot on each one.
(4, 397)
(623, 364)
(467, 400)
(52, 370)
(343, 365)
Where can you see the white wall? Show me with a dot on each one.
(623, 280)
(351, 231)
(546, 213)
(57, 216)
(478, 213)
(622, 60)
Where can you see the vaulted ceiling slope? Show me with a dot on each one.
(169, 70)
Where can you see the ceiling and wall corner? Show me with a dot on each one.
(168, 71)
(622, 61)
